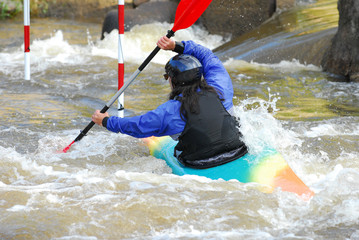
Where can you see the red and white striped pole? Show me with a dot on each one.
(27, 38)
(121, 67)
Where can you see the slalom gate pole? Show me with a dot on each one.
(121, 68)
(27, 39)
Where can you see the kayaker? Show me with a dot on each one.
(197, 114)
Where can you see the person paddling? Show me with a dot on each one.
(197, 114)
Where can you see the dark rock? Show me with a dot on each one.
(236, 17)
(137, 3)
(92, 10)
(342, 57)
(148, 12)
(222, 17)
(277, 45)
(285, 4)
(110, 23)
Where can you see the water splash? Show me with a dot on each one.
(139, 45)
(260, 127)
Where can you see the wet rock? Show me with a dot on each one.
(236, 17)
(110, 23)
(307, 48)
(342, 57)
(285, 4)
(137, 3)
(72, 8)
(222, 16)
(148, 12)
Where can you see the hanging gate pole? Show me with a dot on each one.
(121, 68)
(27, 38)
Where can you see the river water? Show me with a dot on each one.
(108, 187)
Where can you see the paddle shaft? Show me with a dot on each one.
(124, 87)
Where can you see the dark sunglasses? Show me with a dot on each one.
(165, 76)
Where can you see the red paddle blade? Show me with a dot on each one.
(68, 147)
(188, 11)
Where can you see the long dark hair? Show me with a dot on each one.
(190, 94)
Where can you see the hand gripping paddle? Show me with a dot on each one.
(188, 11)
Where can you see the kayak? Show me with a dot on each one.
(268, 168)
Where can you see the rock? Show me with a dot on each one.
(236, 17)
(109, 23)
(148, 12)
(76, 9)
(222, 17)
(137, 3)
(276, 47)
(285, 4)
(341, 58)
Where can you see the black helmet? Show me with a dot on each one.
(184, 69)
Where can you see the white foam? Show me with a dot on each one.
(56, 49)
(192, 232)
(260, 128)
(18, 208)
(332, 129)
(135, 185)
(77, 237)
(283, 66)
(137, 45)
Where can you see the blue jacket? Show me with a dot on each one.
(166, 118)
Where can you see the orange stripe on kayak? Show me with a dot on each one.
(288, 181)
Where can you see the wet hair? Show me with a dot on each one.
(185, 72)
(190, 95)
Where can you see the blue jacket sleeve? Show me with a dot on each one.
(213, 71)
(164, 120)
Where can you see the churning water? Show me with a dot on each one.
(109, 187)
